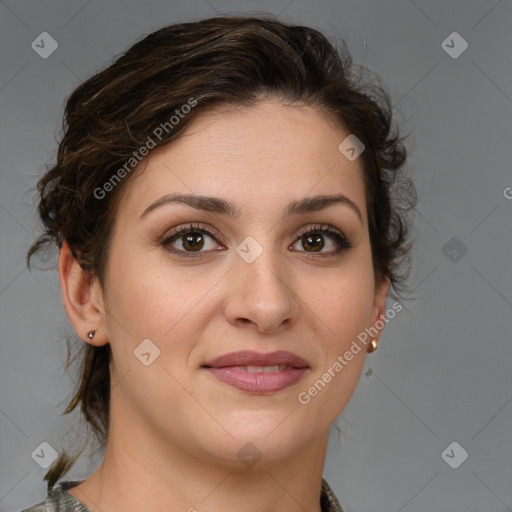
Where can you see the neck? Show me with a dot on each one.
(142, 471)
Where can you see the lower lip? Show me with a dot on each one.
(259, 382)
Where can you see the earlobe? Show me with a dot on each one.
(84, 308)
(379, 309)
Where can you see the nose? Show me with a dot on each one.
(261, 294)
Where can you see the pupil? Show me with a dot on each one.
(317, 239)
(192, 244)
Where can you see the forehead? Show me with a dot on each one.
(266, 155)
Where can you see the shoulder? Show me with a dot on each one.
(328, 500)
(58, 500)
(40, 507)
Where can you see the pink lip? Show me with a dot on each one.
(253, 358)
(231, 369)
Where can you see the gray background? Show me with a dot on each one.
(442, 371)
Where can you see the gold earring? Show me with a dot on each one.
(373, 346)
(91, 334)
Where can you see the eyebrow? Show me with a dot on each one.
(224, 207)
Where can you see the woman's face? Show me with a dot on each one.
(245, 282)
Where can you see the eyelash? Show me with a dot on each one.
(340, 239)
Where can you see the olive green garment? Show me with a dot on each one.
(58, 500)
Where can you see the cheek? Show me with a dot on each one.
(344, 301)
(146, 304)
(347, 318)
(148, 299)
(344, 309)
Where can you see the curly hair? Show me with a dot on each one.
(225, 60)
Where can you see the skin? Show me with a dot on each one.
(174, 429)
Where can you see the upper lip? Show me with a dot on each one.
(253, 358)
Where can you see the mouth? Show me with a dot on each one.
(256, 372)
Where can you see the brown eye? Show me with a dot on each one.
(194, 241)
(315, 242)
(314, 239)
(188, 240)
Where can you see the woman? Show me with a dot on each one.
(223, 202)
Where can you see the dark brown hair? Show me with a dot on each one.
(216, 61)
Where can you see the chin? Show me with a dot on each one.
(259, 441)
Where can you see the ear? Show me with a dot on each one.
(82, 297)
(379, 304)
